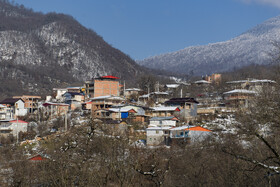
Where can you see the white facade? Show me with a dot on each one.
(20, 110)
(59, 93)
(155, 135)
(163, 123)
(13, 127)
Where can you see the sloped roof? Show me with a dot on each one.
(181, 100)
(172, 85)
(109, 77)
(17, 121)
(240, 91)
(107, 97)
(158, 128)
(190, 128)
(202, 82)
(10, 100)
(164, 118)
(133, 89)
(166, 108)
(56, 104)
(198, 128)
(130, 110)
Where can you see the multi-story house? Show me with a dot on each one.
(14, 108)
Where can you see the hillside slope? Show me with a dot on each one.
(40, 51)
(251, 47)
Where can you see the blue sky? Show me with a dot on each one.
(143, 28)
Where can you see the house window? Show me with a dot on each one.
(157, 132)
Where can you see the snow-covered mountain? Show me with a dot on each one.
(41, 51)
(252, 47)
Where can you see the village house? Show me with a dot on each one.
(202, 83)
(214, 78)
(159, 97)
(106, 85)
(55, 109)
(87, 105)
(140, 115)
(164, 111)
(30, 102)
(239, 98)
(157, 129)
(171, 88)
(74, 99)
(13, 127)
(180, 136)
(89, 89)
(176, 136)
(170, 121)
(132, 92)
(114, 113)
(252, 84)
(14, 108)
(74, 89)
(58, 92)
(103, 102)
(154, 97)
(156, 135)
(187, 106)
(3, 112)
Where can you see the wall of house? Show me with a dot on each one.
(19, 108)
(106, 87)
(154, 137)
(158, 123)
(18, 127)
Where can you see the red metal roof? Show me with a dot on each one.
(109, 77)
(37, 158)
(17, 121)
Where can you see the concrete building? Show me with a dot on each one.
(14, 107)
(106, 85)
(13, 127)
(30, 102)
(187, 106)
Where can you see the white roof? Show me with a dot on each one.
(2, 106)
(252, 81)
(241, 91)
(133, 89)
(120, 109)
(236, 82)
(145, 96)
(263, 81)
(164, 108)
(202, 82)
(158, 128)
(180, 128)
(160, 93)
(60, 104)
(172, 85)
(107, 97)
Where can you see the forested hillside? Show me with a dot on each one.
(40, 51)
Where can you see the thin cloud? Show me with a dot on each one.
(275, 3)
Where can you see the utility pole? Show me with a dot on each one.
(17, 130)
(124, 88)
(65, 121)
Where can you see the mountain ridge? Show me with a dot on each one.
(55, 48)
(251, 47)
